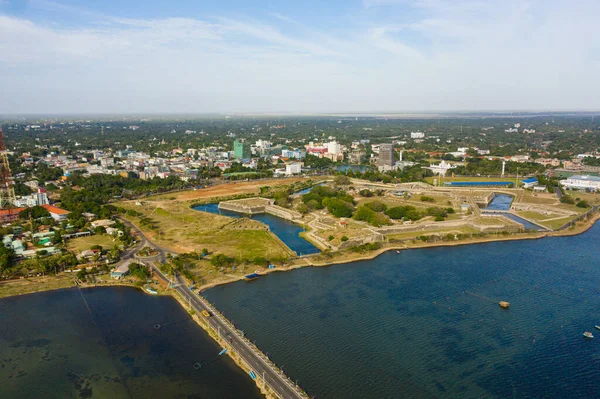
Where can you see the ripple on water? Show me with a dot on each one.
(426, 323)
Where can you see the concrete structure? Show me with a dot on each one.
(417, 135)
(293, 168)
(442, 168)
(582, 182)
(241, 149)
(386, 156)
(357, 156)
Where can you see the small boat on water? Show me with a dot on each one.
(597, 327)
(504, 304)
(588, 334)
(397, 252)
(251, 277)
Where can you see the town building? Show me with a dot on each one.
(357, 156)
(56, 213)
(241, 149)
(529, 183)
(582, 182)
(386, 156)
(417, 135)
(293, 168)
(442, 168)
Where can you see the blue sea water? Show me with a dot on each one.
(53, 346)
(287, 231)
(425, 323)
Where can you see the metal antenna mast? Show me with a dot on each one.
(7, 190)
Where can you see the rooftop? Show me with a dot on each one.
(55, 210)
(584, 177)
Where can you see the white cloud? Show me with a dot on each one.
(447, 56)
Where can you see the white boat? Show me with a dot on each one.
(588, 334)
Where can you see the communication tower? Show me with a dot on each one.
(7, 190)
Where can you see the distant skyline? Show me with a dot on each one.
(234, 56)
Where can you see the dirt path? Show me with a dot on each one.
(233, 188)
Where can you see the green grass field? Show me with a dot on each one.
(85, 243)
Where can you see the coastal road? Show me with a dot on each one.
(264, 369)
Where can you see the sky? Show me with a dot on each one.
(253, 56)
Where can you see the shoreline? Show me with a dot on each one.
(581, 228)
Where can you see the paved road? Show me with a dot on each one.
(262, 367)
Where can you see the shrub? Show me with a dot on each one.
(221, 260)
(567, 199)
(583, 204)
(425, 198)
(330, 238)
(398, 212)
(341, 180)
(344, 238)
(366, 214)
(302, 208)
(339, 208)
(366, 193)
(376, 206)
(450, 210)
(314, 204)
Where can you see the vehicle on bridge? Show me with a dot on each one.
(205, 313)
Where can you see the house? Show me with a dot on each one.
(57, 213)
(539, 189)
(122, 270)
(529, 183)
(10, 215)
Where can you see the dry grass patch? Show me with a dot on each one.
(183, 229)
(227, 189)
(35, 284)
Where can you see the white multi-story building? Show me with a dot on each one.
(333, 147)
(582, 182)
(293, 168)
(442, 168)
(417, 135)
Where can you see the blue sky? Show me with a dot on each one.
(298, 57)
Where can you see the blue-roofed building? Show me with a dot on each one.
(529, 183)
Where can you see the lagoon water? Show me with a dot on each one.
(426, 323)
(287, 231)
(51, 346)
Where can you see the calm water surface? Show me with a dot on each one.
(426, 323)
(502, 202)
(51, 346)
(287, 231)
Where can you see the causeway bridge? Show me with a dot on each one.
(268, 375)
